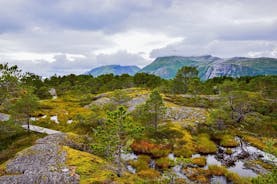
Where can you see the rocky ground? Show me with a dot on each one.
(44, 162)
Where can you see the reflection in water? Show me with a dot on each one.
(241, 170)
(219, 180)
(238, 168)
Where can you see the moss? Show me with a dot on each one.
(270, 178)
(90, 167)
(261, 143)
(147, 147)
(141, 163)
(197, 174)
(217, 170)
(229, 151)
(18, 144)
(222, 171)
(163, 163)
(3, 169)
(205, 145)
(149, 174)
(199, 161)
(183, 152)
(236, 179)
(228, 141)
(183, 145)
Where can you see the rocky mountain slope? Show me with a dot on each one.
(114, 69)
(210, 66)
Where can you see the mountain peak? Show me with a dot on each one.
(113, 69)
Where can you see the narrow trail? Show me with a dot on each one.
(39, 129)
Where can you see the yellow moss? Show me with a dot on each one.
(3, 168)
(184, 144)
(217, 170)
(261, 143)
(205, 145)
(163, 163)
(199, 161)
(91, 168)
(149, 174)
(222, 171)
(229, 151)
(141, 163)
(228, 141)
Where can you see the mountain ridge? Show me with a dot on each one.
(210, 66)
(114, 69)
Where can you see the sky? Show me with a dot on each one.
(60, 37)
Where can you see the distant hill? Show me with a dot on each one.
(210, 66)
(114, 69)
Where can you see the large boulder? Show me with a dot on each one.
(44, 163)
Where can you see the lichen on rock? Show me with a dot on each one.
(44, 162)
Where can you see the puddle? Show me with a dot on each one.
(211, 160)
(129, 156)
(239, 166)
(240, 169)
(33, 118)
(55, 119)
(219, 180)
(37, 118)
(131, 169)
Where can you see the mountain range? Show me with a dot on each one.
(114, 69)
(207, 65)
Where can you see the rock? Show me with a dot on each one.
(229, 162)
(243, 155)
(42, 163)
(220, 150)
(53, 92)
(4, 117)
(133, 103)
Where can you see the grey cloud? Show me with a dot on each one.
(63, 66)
(220, 48)
(121, 57)
(222, 28)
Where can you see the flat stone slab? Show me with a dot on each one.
(39, 129)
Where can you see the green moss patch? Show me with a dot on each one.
(228, 141)
(91, 168)
(205, 145)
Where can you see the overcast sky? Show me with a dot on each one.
(72, 36)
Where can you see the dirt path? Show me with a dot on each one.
(39, 129)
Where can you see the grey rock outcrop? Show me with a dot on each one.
(43, 163)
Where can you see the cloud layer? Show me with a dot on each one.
(69, 36)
